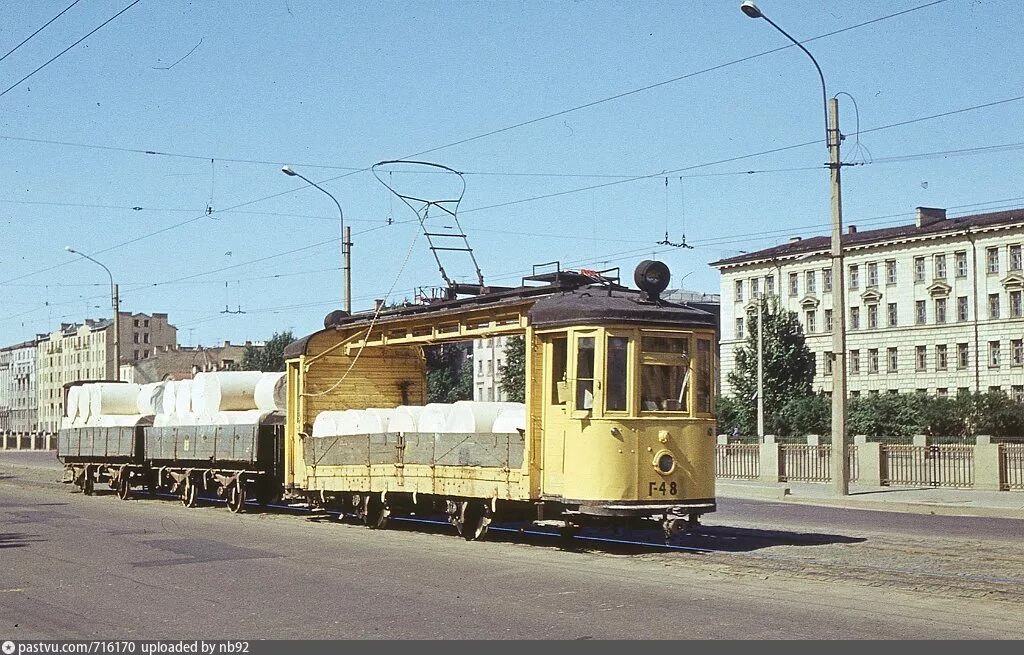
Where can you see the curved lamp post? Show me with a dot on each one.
(117, 310)
(840, 464)
(346, 238)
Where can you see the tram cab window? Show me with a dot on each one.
(585, 372)
(665, 374)
(559, 370)
(615, 374)
(703, 375)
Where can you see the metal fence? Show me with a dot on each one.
(739, 461)
(936, 466)
(809, 463)
(1011, 465)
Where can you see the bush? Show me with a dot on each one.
(805, 415)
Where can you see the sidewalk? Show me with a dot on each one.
(915, 500)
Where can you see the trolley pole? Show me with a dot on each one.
(117, 333)
(346, 253)
(760, 367)
(840, 462)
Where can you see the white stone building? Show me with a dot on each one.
(488, 356)
(18, 394)
(936, 307)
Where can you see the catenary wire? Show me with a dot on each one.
(45, 25)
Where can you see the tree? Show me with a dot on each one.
(788, 367)
(449, 373)
(269, 357)
(513, 371)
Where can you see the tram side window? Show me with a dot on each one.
(585, 372)
(559, 368)
(703, 375)
(615, 374)
(665, 374)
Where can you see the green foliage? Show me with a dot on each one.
(449, 373)
(904, 415)
(269, 357)
(803, 415)
(788, 369)
(513, 371)
(733, 418)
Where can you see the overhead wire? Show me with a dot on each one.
(45, 25)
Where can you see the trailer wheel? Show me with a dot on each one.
(475, 520)
(190, 493)
(236, 497)
(124, 487)
(87, 481)
(375, 512)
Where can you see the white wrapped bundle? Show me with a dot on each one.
(67, 422)
(71, 411)
(271, 392)
(406, 418)
(119, 421)
(107, 399)
(474, 416)
(375, 420)
(510, 420)
(434, 417)
(93, 422)
(348, 422)
(225, 391)
(183, 397)
(324, 426)
(244, 417)
(169, 397)
(150, 400)
(83, 401)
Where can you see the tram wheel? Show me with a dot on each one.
(236, 497)
(124, 487)
(376, 513)
(475, 520)
(87, 481)
(190, 493)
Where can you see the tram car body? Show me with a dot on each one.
(619, 406)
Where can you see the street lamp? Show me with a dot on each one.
(346, 237)
(117, 310)
(840, 465)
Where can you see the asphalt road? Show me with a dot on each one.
(99, 568)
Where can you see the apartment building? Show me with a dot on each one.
(18, 394)
(183, 362)
(85, 351)
(936, 306)
(488, 357)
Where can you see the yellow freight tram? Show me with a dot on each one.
(619, 409)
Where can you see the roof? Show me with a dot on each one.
(881, 235)
(18, 346)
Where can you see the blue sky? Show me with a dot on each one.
(329, 87)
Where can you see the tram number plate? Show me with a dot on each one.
(665, 488)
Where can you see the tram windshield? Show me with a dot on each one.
(665, 373)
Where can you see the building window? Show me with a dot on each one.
(892, 360)
(1017, 392)
(942, 392)
(920, 358)
(873, 360)
(920, 312)
(136, 355)
(826, 280)
(145, 354)
(794, 284)
(940, 267)
(1015, 304)
(490, 367)
(892, 314)
(961, 308)
(479, 367)
(827, 359)
(739, 290)
(145, 337)
(1015, 258)
(136, 322)
(811, 281)
(941, 357)
(993, 305)
(890, 272)
(854, 362)
(1017, 352)
(854, 277)
(855, 318)
(769, 285)
(961, 263)
(828, 320)
(810, 321)
(739, 328)
(993, 354)
(136, 335)
(962, 356)
(918, 269)
(872, 274)
(940, 310)
(872, 317)
(755, 287)
(145, 323)
(992, 260)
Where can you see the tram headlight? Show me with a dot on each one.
(664, 462)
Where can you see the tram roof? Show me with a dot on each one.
(553, 306)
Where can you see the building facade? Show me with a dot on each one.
(182, 363)
(488, 357)
(85, 351)
(18, 393)
(934, 307)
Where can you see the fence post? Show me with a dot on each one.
(768, 466)
(3, 440)
(920, 440)
(813, 440)
(986, 465)
(869, 461)
(50, 441)
(723, 440)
